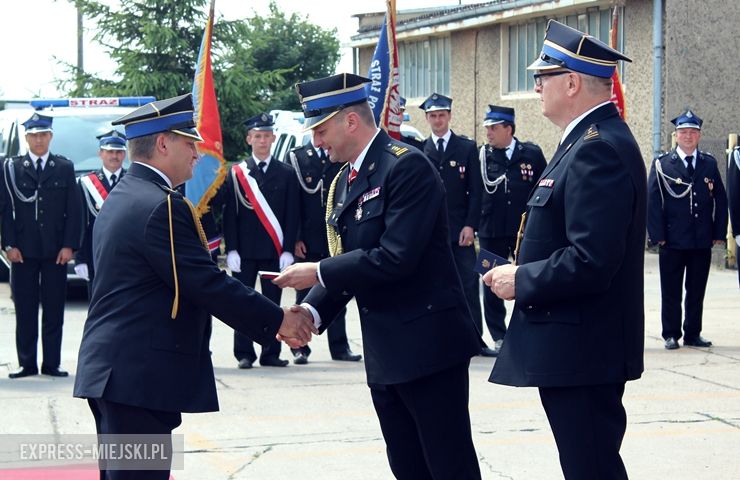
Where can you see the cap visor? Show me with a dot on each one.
(488, 123)
(540, 64)
(38, 130)
(188, 132)
(313, 122)
(113, 147)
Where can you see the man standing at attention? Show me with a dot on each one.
(456, 160)
(261, 220)
(687, 214)
(41, 227)
(390, 250)
(509, 169)
(577, 329)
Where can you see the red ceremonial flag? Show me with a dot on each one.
(617, 91)
(210, 171)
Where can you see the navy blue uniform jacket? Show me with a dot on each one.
(578, 318)
(501, 211)
(312, 170)
(398, 265)
(132, 352)
(733, 189)
(84, 254)
(675, 220)
(59, 220)
(243, 231)
(460, 172)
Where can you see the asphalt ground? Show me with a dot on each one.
(317, 421)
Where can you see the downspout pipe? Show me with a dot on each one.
(657, 74)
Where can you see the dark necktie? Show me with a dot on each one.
(322, 154)
(113, 180)
(39, 169)
(262, 166)
(440, 147)
(690, 165)
(499, 154)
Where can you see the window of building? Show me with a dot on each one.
(525, 43)
(424, 67)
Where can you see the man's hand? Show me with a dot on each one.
(297, 327)
(300, 249)
(234, 261)
(501, 280)
(14, 255)
(298, 276)
(82, 272)
(467, 235)
(65, 255)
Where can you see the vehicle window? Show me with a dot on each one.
(277, 147)
(288, 148)
(74, 137)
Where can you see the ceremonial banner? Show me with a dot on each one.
(210, 171)
(617, 92)
(383, 94)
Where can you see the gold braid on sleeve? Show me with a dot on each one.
(203, 240)
(334, 239)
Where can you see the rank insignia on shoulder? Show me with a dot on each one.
(398, 150)
(453, 163)
(591, 133)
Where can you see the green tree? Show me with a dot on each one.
(155, 43)
(278, 41)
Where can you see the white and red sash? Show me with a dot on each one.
(95, 188)
(264, 213)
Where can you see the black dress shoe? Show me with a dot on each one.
(23, 372)
(488, 352)
(347, 356)
(671, 343)
(245, 363)
(273, 362)
(54, 372)
(697, 342)
(300, 358)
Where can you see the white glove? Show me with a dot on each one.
(286, 260)
(81, 271)
(234, 261)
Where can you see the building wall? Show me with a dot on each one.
(701, 45)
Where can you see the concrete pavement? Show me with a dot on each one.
(317, 421)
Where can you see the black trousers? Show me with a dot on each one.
(426, 426)
(588, 423)
(493, 307)
(336, 333)
(465, 261)
(117, 419)
(673, 264)
(33, 280)
(243, 345)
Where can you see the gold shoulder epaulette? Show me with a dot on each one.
(398, 150)
(591, 133)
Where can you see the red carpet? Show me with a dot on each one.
(59, 473)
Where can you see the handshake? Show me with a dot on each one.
(297, 327)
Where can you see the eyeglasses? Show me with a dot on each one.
(538, 76)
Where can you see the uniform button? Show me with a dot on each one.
(508, 202)
(696, 204)
(364, 310)
(41, 199)
(529, 307)
(264, 329)
(547, 313)
(429, 307)
(696, 215)
(694, 193)
(537, 197)
(345, 293)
